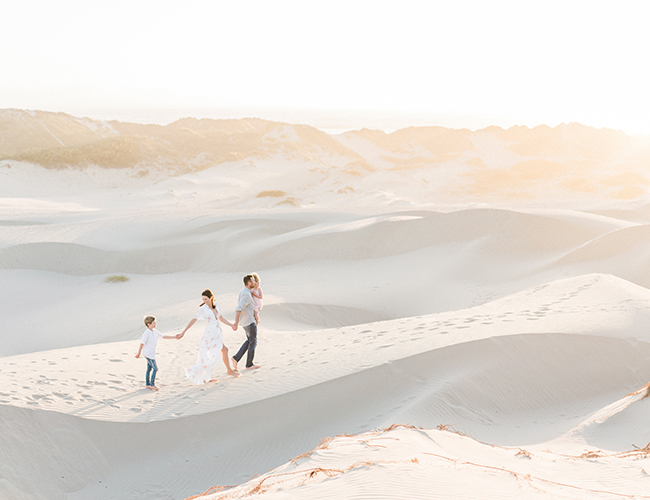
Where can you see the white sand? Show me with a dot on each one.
(512, 339)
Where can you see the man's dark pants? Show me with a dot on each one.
(249, 344)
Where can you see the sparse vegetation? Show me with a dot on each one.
(289, 201)
(271, 194)
(116, 278)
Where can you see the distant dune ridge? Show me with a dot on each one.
(493, 163)
(447, 313)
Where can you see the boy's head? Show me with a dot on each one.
(149, 320)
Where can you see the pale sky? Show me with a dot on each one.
(459, 63)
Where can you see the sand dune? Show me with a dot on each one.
(492, 372)
(413, 165)
(405, 463)
(238, 243)
(486, 289)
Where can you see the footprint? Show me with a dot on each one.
(62, 395)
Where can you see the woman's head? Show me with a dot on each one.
(208, 298)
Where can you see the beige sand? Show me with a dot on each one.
(511, 338)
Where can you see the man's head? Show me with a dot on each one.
(249, 281)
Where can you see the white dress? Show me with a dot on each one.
(209, 358)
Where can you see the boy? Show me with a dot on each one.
(148, 346)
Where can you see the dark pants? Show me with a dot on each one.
(152, 369)
(250, 344)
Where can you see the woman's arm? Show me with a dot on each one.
(189, 325)
(224, 320)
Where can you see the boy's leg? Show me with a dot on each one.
(149, 368)
(154, 370)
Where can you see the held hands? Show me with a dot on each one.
(234, 327)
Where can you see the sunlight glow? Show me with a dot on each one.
(506, 62)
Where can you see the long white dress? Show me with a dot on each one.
(209, 358)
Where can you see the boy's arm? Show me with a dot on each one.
(139, 351)
(170, 336)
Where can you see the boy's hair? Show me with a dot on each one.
(248, 278)
(149, 319)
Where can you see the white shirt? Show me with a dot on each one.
(246, 306)
(150, 342)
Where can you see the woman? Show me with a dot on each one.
(211, 342)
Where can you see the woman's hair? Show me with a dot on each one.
(210, 295)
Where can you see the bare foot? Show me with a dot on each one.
(153, 387)
(234, 364)
(234, 373)
(252, 367)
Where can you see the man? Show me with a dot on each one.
(245, 313)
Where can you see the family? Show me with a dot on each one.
(212, 347)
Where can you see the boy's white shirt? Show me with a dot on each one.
(150, 342)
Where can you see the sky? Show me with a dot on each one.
(455, 63)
